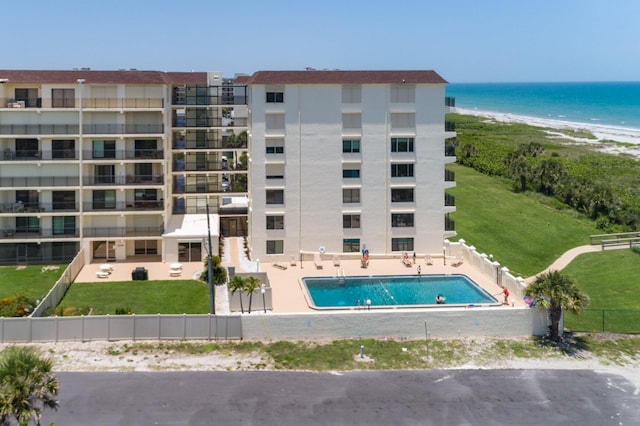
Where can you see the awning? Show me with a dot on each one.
(192, 226)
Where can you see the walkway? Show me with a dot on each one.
(568, 256)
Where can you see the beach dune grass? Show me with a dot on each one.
(141, 297)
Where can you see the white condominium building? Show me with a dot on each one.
(348, 161)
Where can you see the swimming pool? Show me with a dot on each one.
(394, 291)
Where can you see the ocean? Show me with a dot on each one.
(611, 104)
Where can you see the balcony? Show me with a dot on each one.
(39, 129)
(449, 200)
(37, 234)
(117, 129)
(450, 101)
(38, 181)
(137, 154)
(121, 232)
(449, 224)
(48, 155)
(20, 207)
(449, 175)
(197, 166)
(210, 95)
(449, 126)
(140, 205)
(123, 180)
(449, 148)
(209, 122)
(23, 103)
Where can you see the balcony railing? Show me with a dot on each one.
(123, 205)
(119, 232)
(210, 95)
(23, 102)
(115, 128)
(29, 207)
(210, 122)
(38, 181)
(38, 233)
(449, 200)
(123, 180)
(138, 154)
(39, 129)
(449, 224)
(28, 155)
(196, 166)
(204, 188)
(211, 143)
(123, 103)
(449, 175)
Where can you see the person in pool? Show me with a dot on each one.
(440, 299)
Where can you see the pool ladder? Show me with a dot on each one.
(340, 273)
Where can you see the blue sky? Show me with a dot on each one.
(463, 40)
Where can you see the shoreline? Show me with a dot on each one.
(600, 131)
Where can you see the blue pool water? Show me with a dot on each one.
(394, 290)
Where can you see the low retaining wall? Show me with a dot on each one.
(398, 324)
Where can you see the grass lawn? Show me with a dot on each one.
(610, 278)
(142, 297)
(521, 232)
(29, 281)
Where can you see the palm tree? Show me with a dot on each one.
(237, 284)
(518, 168)
(556, 291)
(27, 385)
(251, 285)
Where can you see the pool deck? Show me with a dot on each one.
(287, 293)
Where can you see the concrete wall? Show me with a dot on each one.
(410, 324)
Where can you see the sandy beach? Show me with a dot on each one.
(628, 139)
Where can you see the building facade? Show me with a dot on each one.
(129, 163)
(120, 163)
(348, 161)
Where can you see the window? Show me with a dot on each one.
(103, 200)
(351, 94)
(351, 121)
(351, 245)
(274, 145)
(29, 97)
(63, 148)
(350, 195)
(275, 196)
(405, 93)
(104, 149)
(350, 173)
(27, 224)
(64, 200)
(63, 98)
(64, 225)
(402, 170)
(27, 148)
(402, 244)
(350, 221)
(275, 222)
(145, 148)
(105, 173)
(351, 145)
(403, 120)
(401, 195)
(28, 198)
(401, 144)
(275, 247)
(275, 97)
(274, 121)
(402, 220)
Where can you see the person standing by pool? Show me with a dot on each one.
(414, 257)
(505, 291)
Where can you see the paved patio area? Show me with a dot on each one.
(288, 296)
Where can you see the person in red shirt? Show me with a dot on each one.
(505, 290)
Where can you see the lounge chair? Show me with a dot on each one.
(102, 274)
(279, 265)
(407, 262)
(317, 260)
(428, 260)
(292, 261)
(336, 261)
(459, 261)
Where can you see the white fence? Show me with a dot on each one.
(57, 292)
(120, 327)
